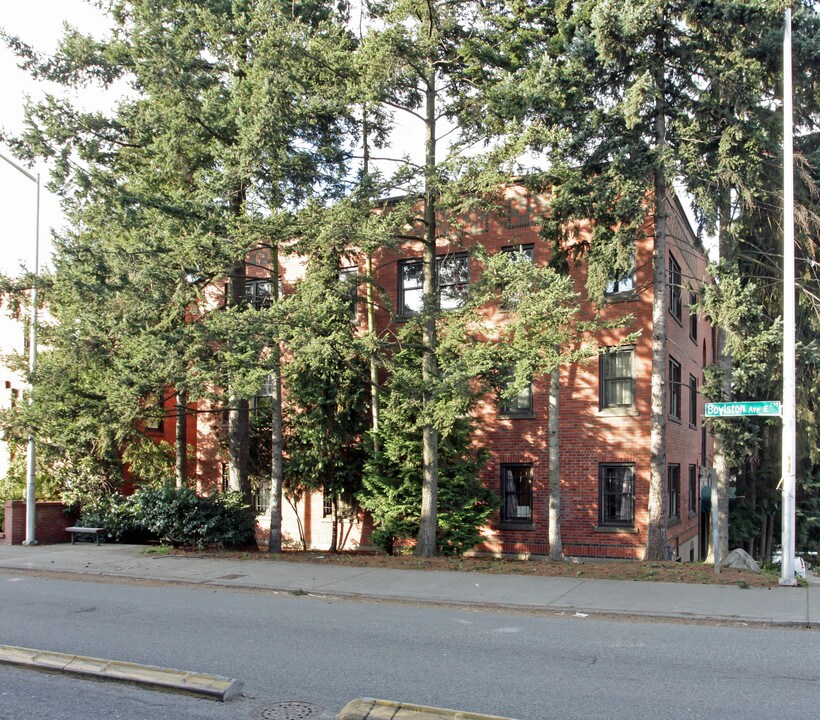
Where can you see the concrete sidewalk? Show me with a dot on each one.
(779, 605)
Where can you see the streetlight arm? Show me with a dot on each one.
(30, 176)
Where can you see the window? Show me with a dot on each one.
(345, 504)
(155, 413)
(350, 291)
(617, 499)
(674, 388)
(703, 445)
(617, 379)
(453, 279)
(257, 293)
(516, 493)
(520, 252)
(621, 285)
(693, 489)
(693, 318)
(693, 401)
(517, 253)
(675, 303)
(673, 491)
(410, 287)
(518, 404)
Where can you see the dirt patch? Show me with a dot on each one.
(648, 571)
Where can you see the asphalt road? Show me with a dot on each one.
(299, 648)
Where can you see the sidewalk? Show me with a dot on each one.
(779, 605)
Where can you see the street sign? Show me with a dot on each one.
(743, 408)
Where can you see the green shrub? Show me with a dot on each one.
(118, 514)
(178, 516)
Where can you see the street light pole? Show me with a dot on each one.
(789, 427)
(31, 493)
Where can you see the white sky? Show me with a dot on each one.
(40, 24)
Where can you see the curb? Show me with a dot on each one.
(372, 709)
(191, 683)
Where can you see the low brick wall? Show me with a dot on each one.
(51, 520)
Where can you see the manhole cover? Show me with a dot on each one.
(288, 711)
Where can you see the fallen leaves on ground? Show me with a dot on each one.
(646, 571)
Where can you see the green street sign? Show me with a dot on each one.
(769, 408)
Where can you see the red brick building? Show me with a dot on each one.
(604, 412)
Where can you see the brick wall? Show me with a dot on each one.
(50, 520)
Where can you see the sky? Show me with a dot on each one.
(40, 24)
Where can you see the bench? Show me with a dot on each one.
(86, 531)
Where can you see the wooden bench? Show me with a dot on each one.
(86, 531)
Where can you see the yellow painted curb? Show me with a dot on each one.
(372, 709)
(211, 686)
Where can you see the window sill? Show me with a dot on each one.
(507, 525)
(693, 427)
(517, 416)
(615, 529)
(621, 297)
(692, 515)
(618, 412)
(671, 522)
(675, 419)
(678, 320)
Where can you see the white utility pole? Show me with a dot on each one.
(789, 439)
(31, 493)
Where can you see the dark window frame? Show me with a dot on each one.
(518, 253)
(611, 509)
(693, 401)
(511, 496)
(606, 361)
(515, 407)
(675, 289)
(693, 489)
(673, 491)
(255, 296)
(675, 379)
(693, 317)
(403, 310)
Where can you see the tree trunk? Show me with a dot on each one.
(181, 445)
(556, 546)
(369, 299)
(238, 409)
(656, 520)
(728, 253)
(334, 523)
(428, 521)
(374, 367)
(277, 465)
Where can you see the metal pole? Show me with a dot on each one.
(31, 492)
(715, 527)
(789, 438)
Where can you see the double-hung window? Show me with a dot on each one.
(517, 253)
(617, 374)
(516, 493)
(520, 403)
(693, 401)
(257, 293)
(693, 489)
(693, 318)
(673, 491)
(617, 495)
(674, 388)
(453, 280)
(675, 290)
(623, 285)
